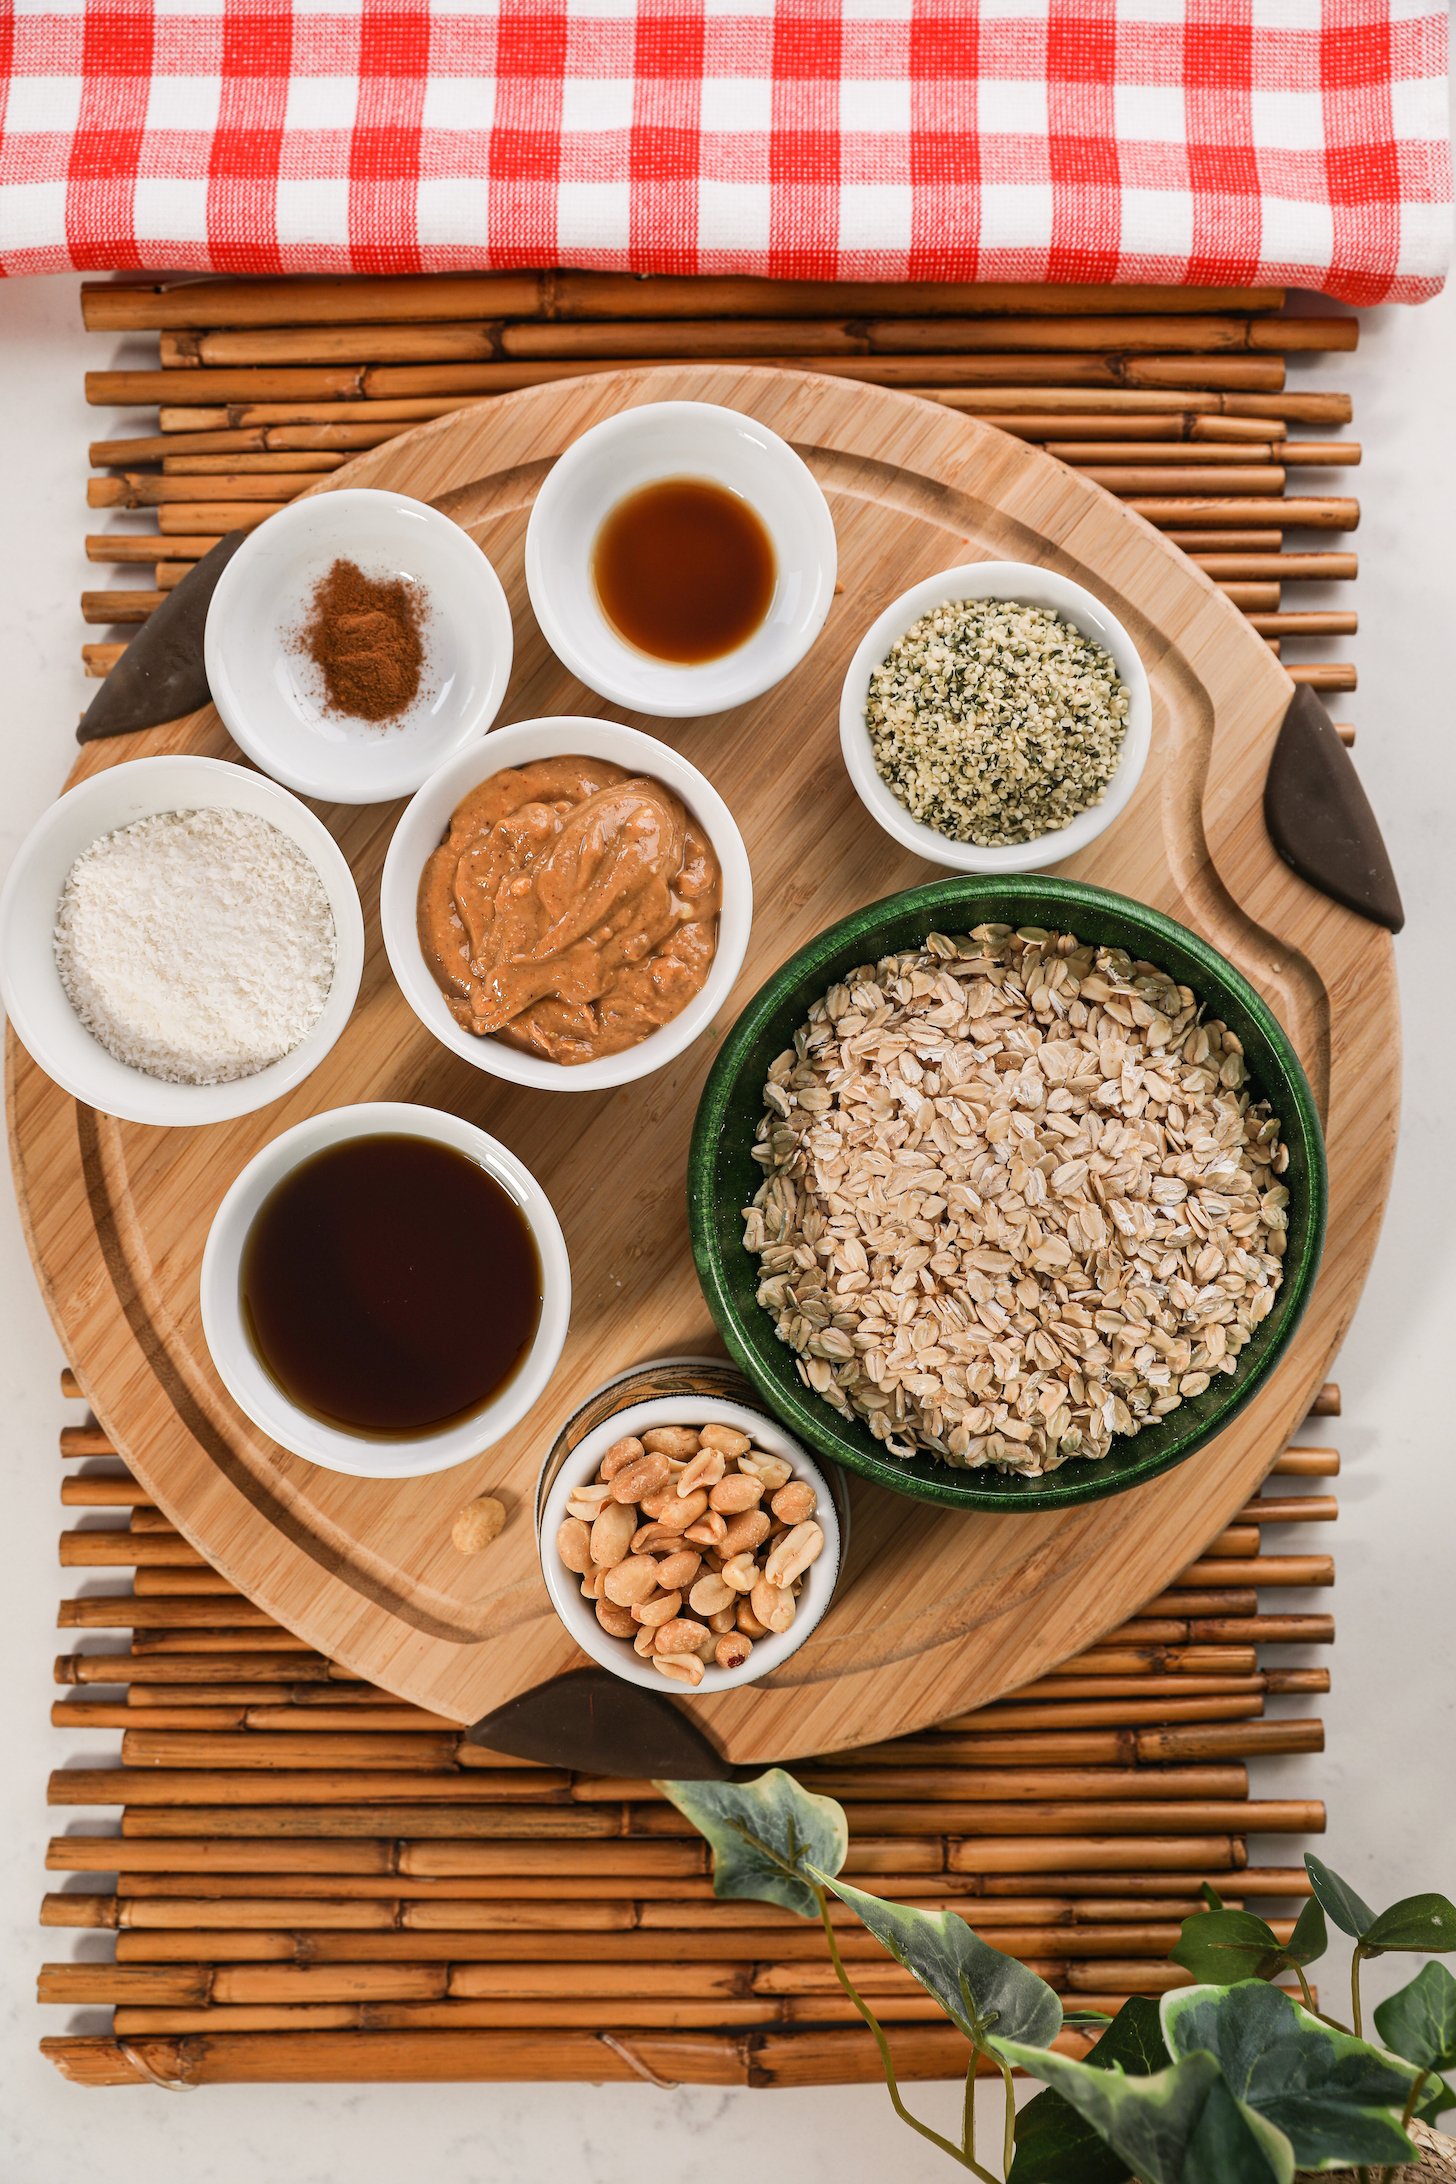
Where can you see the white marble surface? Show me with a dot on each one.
(1390, 1770)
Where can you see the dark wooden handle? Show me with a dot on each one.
(1319, 817)
(596, 1723)
(162, 674)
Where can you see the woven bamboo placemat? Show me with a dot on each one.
(314, 1881)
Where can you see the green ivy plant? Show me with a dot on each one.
(1228, 2081)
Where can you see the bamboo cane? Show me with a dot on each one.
(352, 383)
(408, 299)
(492, 340)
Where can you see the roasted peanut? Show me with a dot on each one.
(707, 1648)
(740, 1573)
(745, 1533)
(611, 1535)
(625, 1451)
(731, 1496)
(478, 1523)
(795, 1503)
(645, 1474)
(704, 1469)
(591, 1584)
(573, 1545)
(679, 1569)
(631, 1582)
(721, 1620)
(651, 1506)
(672, 1440)
(645, 1640)
(654, 1539)
(773, 1606)
(794, 1553)
(659, 1609)
(615, 1621)
(748, 1622)
(773, 1471)
(709, 1594)
(709, 1531)
(732, 1649)
(727, 1438)
(682, 1635)
(588, 1501)
(679, 1667)
(679, 1511)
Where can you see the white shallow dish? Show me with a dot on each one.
(35, 1000)
(639, 447)
(253, 1388)
(424, 824)
(270, 694)
(579, 1615)
(1031, 586)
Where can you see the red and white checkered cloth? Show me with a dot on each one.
(1216, 141)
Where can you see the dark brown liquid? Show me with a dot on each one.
(390, 1285)
(684, 570)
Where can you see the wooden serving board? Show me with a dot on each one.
(936, 1612)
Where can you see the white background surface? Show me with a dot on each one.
(1390, 1770)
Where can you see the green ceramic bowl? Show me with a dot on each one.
(722, 1177)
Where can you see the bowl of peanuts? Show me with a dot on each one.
(687, 1541)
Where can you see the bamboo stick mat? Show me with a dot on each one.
(1176, 400)
(314, 1881)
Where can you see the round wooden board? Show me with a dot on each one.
(936, 1612)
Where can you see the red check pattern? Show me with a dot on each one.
(1214, 141)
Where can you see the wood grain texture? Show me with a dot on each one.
(935, 1613)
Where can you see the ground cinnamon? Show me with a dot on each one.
(365, 635)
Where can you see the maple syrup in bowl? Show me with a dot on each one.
(680, 558)
(385, 1290)
(684, 570)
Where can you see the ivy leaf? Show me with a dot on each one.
(767, 1836)
(1053, 2142)
(1311, 1937)
(1420, 2023)
(1351, 1913)
(1180, 2125)
(1425, 1923)
(1224, 1946)
(979, 1989)
(1337, 2100)
(1228, 1945)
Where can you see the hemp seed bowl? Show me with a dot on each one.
(1131, 955)
(995, 718)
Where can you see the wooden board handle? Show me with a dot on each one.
(1319, 817)
(162, 675)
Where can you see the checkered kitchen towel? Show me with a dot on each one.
(1216, 141)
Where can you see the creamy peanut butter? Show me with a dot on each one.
(571, 909)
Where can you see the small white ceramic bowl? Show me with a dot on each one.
(579, 1615)
(253, 1388)
(423, 826)
(270, 695)
(35, 1000)
(1031, 586)
(678, 440)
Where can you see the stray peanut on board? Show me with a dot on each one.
(692, 1544)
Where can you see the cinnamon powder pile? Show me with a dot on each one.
(365, 635)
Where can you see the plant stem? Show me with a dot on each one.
(968, 2111)
(1356, 2019)
(966, 2159)
(1008, 2136)
(1413, 2096)
(1305, 1990)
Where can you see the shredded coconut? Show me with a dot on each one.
(197, 946)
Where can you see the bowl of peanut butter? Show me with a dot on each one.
(566, 905)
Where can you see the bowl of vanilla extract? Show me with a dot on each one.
(385, 1290)
(680, 558)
